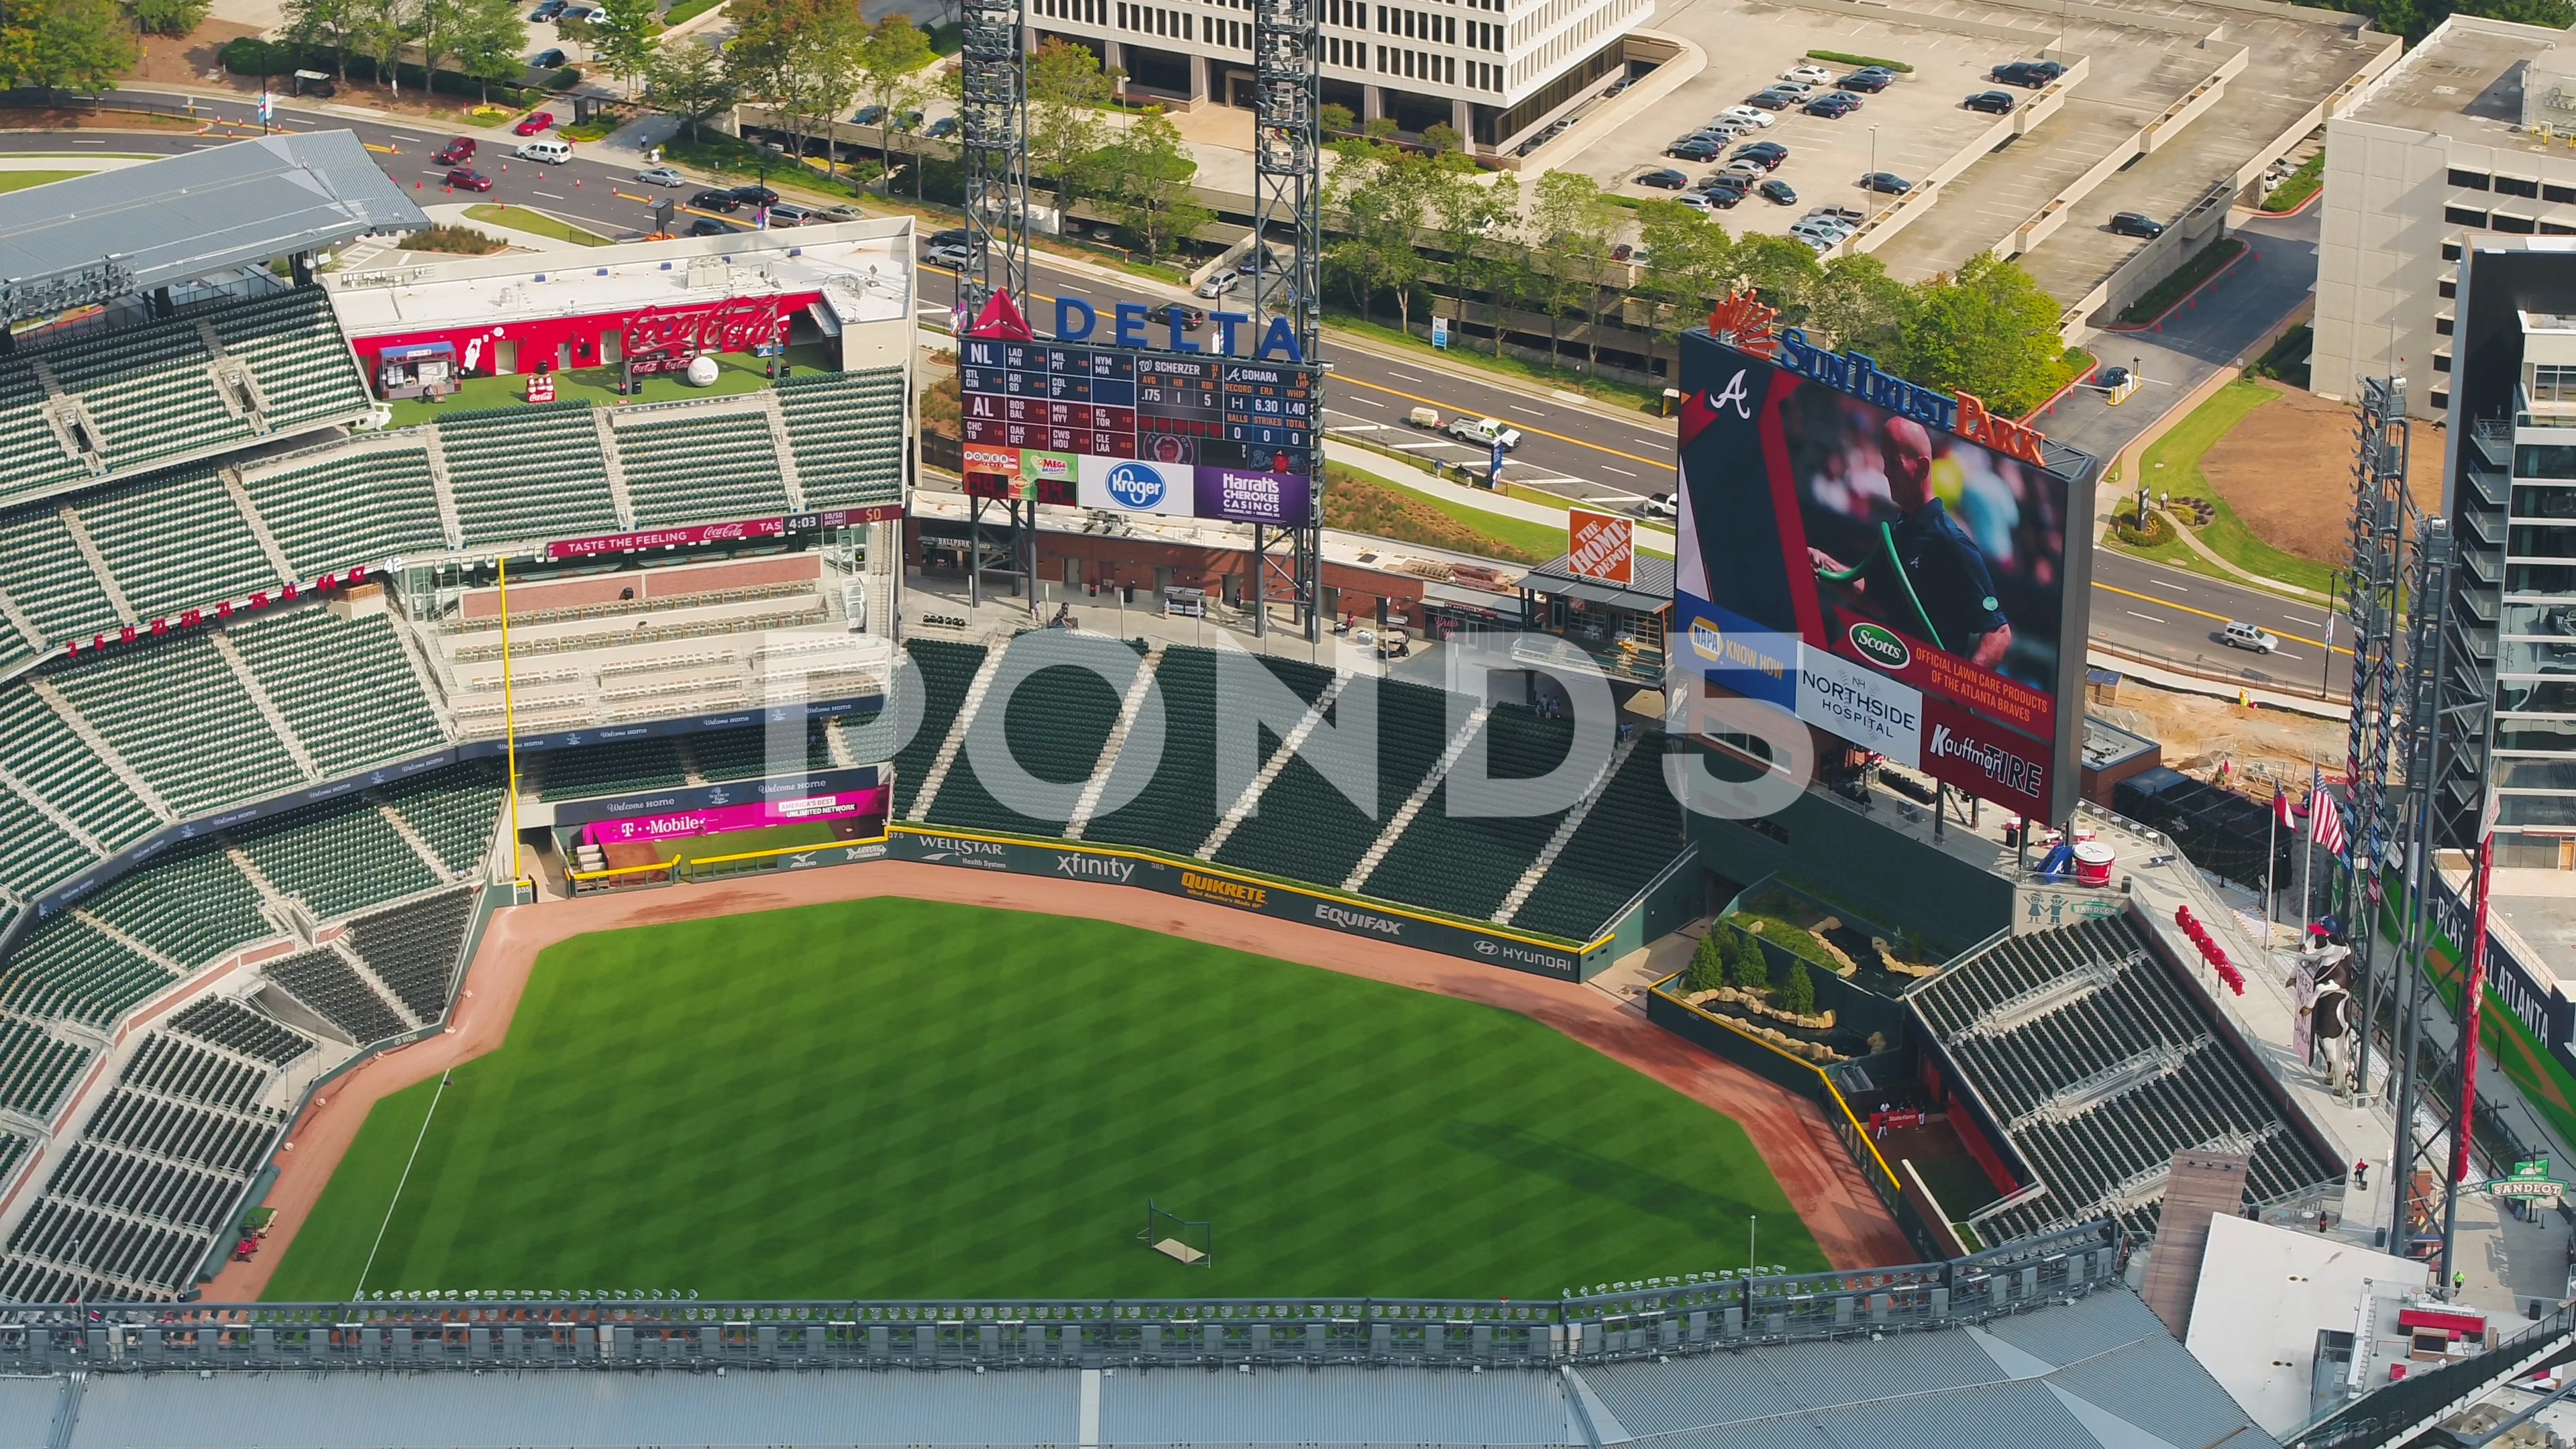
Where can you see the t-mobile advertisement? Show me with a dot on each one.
(1889, 562)
(720, 819)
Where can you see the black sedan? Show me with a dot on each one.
(1664, 179)
(1833, 105)
(1886, 181)
(1869, 79)
(2028, 74)
(1190, 319)
(1693, 148)
(1769, 154)
(715, 201)
(1777, 192)
(1994, 103)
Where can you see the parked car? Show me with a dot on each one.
(2137, 223)
(1661, 505)
(464, 178)
(1749, 115)
(755, 196)
(661, 176)
(907, 120)
(709, 226)
(1800, 89)
(715, 201)
(868, 116)
(1838, 212)
(1723, 198)
(1769, 153)
(2240, 635)
(548, 59)
(1822, 229)
(1993, 103)
(2028, 74)
(1694, 148)
(1778, 192)
(1664, 178)
(1696, 201)
(1833, 105)
(1220, 283)
(456, 152)
(579, 12)
(942, 128)
(1484, 432)
(548, 10)
(1869, 79)
(788, 213)
(536, 121)
(1191, 319)
(1807, 71)
(1773, 100)
(951, 236)
(1886, 182)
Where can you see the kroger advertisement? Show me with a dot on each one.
(1887, 562)
(1240, 495)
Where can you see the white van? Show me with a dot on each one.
(553, 153)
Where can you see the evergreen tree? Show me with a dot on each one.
(1708, 967)
(1798, 990)
(1752, 968)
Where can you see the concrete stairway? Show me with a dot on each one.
(1137, 690)
(1421, 796)
(1519, 894)
(1241, 809)
(976, 689)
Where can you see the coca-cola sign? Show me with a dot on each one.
(739, 531)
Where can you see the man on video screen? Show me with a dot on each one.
(1925, 575)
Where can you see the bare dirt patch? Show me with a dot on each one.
(2287, 471)
(2200, 734)
(194, 58)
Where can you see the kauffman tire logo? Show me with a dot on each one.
(1997, 764)
(1358, 921)
(1138, 485)
(1093, 867)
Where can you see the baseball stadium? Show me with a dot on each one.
(542, 831)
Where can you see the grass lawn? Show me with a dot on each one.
(521, 218)
(911, 1099)
(2302, 184)
(735, 372)
(21, 180)
(2172, 465)
(1464, 354)
(744, 842)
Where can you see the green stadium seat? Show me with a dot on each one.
(338, 858)
(945, 670)
(343, 686)
(175, 542)
(682, 467)
(349, 509)
(1632, 834)
(528, 473)
(179, 716)
(846, 430)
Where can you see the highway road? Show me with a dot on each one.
(1572, 447)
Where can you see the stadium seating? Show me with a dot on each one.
(148, 390)
(227, 1023)
(180, 717)
(743, 754)
(36, 1068)
(175, 542)
(527, 473)
(33, 850)
(337, 858)
(343, 686)
(945, 671)
(413, 947)
(193, 906)
(1304, 828)
(175, 1067)
(324, 982)
(1465, 865)
(50, 580)
(682, 466)
(57, 764)
(32, 460)
(1631, 835)
(612, 769)
(846, 430)
(1055, 724)
(291, 341)
(65, 968)
(2100, 1148)
(1177, 806)
(346, 508)
(454, 810)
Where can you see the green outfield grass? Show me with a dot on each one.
(910, 1099)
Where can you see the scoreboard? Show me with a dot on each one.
(1117, 402)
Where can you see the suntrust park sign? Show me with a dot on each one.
(1959, 412)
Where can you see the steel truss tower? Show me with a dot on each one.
(2383, 516)
(1286, 182)
(994, 134)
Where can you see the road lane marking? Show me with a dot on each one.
(1368, 402)
(548, 195)
(1533, 412)
(1608, 467)
(1391, 372)
(2204, 613)
(622, 196)
(2150, 618)
(2161, 584)
(2286, 654)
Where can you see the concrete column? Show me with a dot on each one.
(1372, 103)
(1201, 68)
(1462, 119)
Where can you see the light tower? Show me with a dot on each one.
(1286, 181)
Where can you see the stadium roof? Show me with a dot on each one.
(190, 216)
(2097, 1373)
(1650, 585)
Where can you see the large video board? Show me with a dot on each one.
(1891, 564)
(1116, 402)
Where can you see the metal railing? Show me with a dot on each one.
(1696, 1312)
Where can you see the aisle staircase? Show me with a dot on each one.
(937, 775)
(1138, 690)
(1414, 802)
(1519, 894)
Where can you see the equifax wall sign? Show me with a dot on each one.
(216, 613)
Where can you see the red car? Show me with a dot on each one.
(463, 179)
(456, 152)
(536, 121)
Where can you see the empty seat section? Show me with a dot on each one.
(846, 430)
(1464, 864)
(148, 389)
(34, 851)
(225, 1141)
(177, 1067)
(1305, 828)
(942, 671)
(527, 473)
(176, 543)
(337, 858)
(414, 948)
(36, 1068)
(343, 685)
(349, 510)
(64, 968)
(32, 459)
(745, 754)
(194, 906)
(455, 810)
(49, 578)
(1632, 834)
(689, 469)
(1177, 805)
(1054, 724)
(180, 717)
(324, 982)
(138, 1186)
(292, 342)
(60, 766)
(612, 769)
(229, 1024)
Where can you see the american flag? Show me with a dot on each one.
(2325, 823)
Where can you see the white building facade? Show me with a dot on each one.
(1495, 71)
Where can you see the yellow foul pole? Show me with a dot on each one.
(510, 730)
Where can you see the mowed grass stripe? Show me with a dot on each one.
(909, 1099)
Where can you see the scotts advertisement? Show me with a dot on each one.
(1182, 490)
(1889, 562)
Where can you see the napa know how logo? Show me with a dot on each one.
(1880, 647)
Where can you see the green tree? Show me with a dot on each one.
(800, 58)
(168, 17)
(891, 60)
(1572, 225)
(1686, 254)
(1150, 173)
(1067, 93)
(579, 32)
(1381, 207)
(330, 23)
(1752, 968)
(1708, 963)
(688, 80)
(1443, 140)
(1472, 218)
(1986, 329)
(487, 37)
(1798, 990)
(1337, 121)
(66, 44)
(1858, 307)
(1782, 269)
(624, 39)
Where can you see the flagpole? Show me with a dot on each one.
(2308, 855)
(2272, 855)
